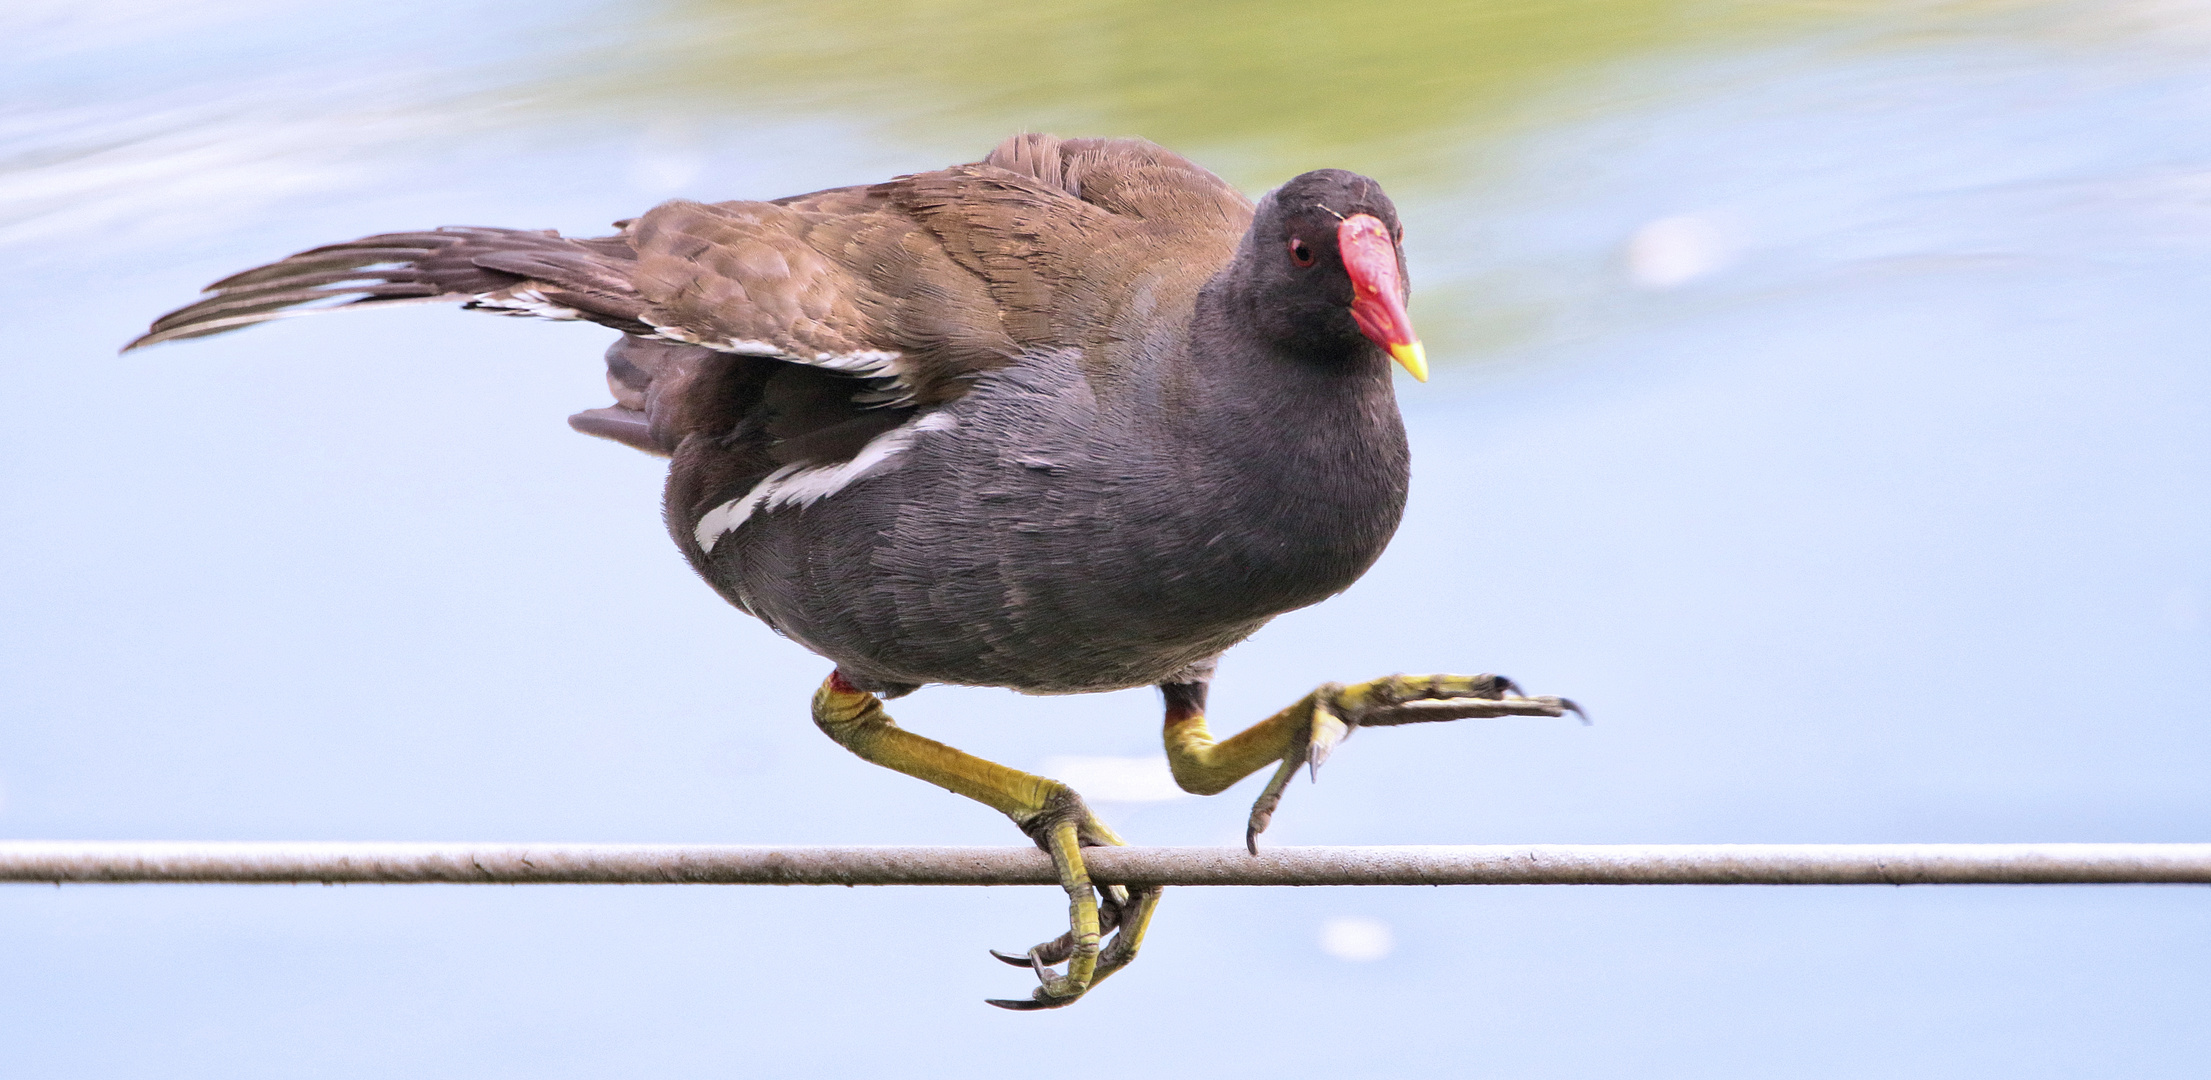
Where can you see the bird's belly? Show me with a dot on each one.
(1009, 586)
(1037, 549)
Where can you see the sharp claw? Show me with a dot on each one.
(1328, 731)
(1021, 960)
(1053, 993)
(1116, 896)
(1040, 999)
(1050, 952)
(1568, 705)
(1262, 808)
(1043, 999)
(1034, 961)
(1508, 688)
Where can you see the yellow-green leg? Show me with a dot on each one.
(1049, 811)
(1306, 732)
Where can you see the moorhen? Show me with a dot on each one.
(1075, 417)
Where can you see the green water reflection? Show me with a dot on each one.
(719, 98)
(1263, 87)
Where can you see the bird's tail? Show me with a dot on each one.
(649, 377)
(511, 271)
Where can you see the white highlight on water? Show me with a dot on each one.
(1356, 938)
(1674, 251)
(1116, 779)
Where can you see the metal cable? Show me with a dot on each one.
(60, 861)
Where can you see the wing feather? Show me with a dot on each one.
(445, 265)
(912, 286)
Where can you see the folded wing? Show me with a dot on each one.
(908, 288)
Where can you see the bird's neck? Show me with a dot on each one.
(1257, 375)
(1313, 431)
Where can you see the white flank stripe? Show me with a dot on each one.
(803, 485)
(871, 362)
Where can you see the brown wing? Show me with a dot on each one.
(912, 286)
(1062, 230)
(840, 280)
(931, 278)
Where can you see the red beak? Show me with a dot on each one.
(1378, 293)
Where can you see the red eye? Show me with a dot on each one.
(1300, 253)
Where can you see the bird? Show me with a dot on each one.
(1075, 417)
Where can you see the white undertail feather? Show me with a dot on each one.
(804, 485)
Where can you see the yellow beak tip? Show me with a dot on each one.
(1414, 358)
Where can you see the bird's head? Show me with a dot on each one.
(1326, 254)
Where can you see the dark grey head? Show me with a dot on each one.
(1324, 266)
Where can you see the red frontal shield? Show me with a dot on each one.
(1378, 293)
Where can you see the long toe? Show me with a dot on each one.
(1113, 901)
(1332, 711)
(1132, 910)
(1432, 710)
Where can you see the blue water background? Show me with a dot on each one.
(1881, 516)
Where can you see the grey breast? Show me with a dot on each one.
(1028, 535)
